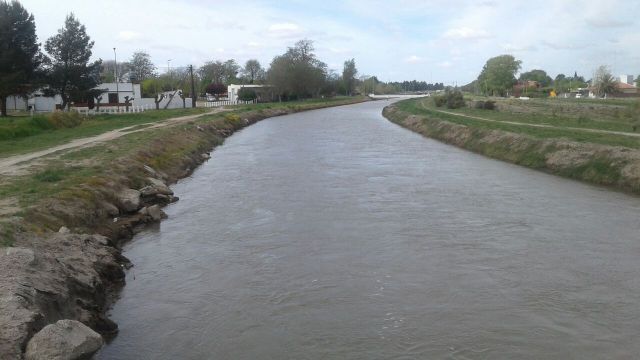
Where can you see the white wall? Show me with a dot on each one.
(15, 103)
(45, 104)
(176, 102)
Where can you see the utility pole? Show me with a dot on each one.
(115, 58)
(194, 96)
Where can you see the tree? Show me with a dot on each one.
(71, 75)
(604, 82)
(349, 73)
(141, 66)
(219, 72)
(252, 71)
(298, 73)
(216, 89)
(638, 81)
(20, 56)
(108, 71)
(498, 74)
(537, 75)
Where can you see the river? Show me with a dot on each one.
(335, 234)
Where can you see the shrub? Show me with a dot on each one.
(455, 99)
(440, 100)
(247, 94)
(452, 99)
(485, 105)
(60, 119)
(41, 122)
(233, 120)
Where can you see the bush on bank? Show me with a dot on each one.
(450, 99)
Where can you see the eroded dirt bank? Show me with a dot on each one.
(614, 166)
(65, 262)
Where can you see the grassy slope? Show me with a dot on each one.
(574, 154)
(42, 139)
(75, 182)
(425, 107)
(95, 125)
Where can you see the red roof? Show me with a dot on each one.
(622, 85)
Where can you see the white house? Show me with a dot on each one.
(233, 90)
(115, 93)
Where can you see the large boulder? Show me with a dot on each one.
(64, 340)
(129, 200)
(156, 213)
(155, 187)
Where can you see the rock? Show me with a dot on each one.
(163, 199)
(64, 230)
(19, 255)
(205, 156)
(144, 211)
(148, 191)
(156, 187)
(151, 171)
(156, 213)
(111, 209)
(66, 339)
(129, 200)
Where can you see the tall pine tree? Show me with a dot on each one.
(71, 75)
(20, 56)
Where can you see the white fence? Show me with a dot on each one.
(210, 104)
(113, 109)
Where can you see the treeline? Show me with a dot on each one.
(63, 67)
(296, 74)
(415, 85)
(498, 78)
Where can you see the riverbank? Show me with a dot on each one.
(63, 219)
(603, 159)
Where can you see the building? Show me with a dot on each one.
(626, 89)
(116, 93)
(627, 79)
(263, 91)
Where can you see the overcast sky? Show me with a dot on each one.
(438, 41)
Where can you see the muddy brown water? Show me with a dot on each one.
(335, 234)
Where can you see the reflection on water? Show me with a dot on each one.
(335, 234)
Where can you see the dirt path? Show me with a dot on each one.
(595, 131)
(13, 165)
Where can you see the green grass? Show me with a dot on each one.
(33, 137)
(7, 234)
(20, 134)
(75, 175)
(416, 106)
(49, 175)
